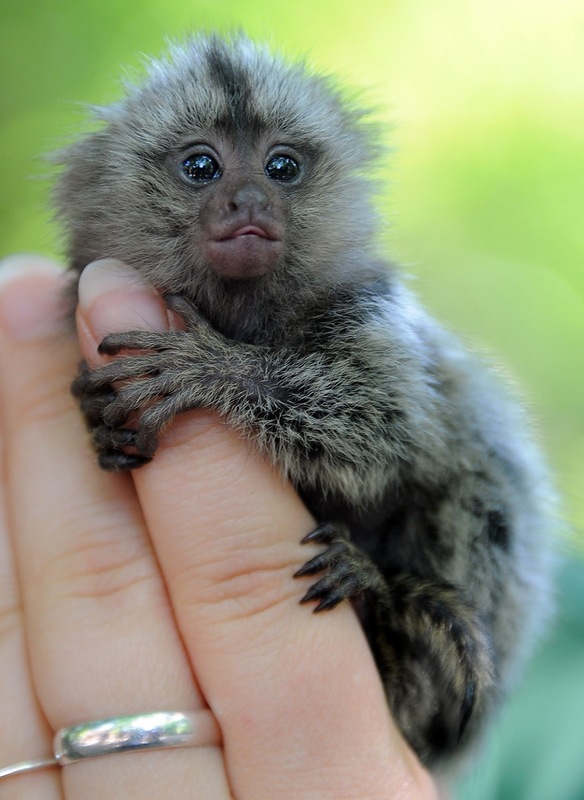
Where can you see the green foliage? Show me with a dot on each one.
(536, 752)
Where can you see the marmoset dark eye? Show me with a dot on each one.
(200, 167)
(282, 168)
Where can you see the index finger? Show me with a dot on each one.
(298, 697)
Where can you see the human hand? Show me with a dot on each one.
(167, 589)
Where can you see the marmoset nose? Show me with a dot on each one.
(248, 196)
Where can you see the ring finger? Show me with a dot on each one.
(100, 633)
(28, 738)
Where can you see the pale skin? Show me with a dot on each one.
(168, 589)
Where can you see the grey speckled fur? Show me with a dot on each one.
(432, 504)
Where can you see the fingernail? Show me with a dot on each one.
(113, 297)
(32, 297)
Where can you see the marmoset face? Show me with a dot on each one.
(225, 167)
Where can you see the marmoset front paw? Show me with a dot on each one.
(130, 400)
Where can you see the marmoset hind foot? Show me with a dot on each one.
(240, 186)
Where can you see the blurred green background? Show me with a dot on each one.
(484, 104)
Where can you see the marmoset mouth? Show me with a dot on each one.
(248, 252)
(250, 230)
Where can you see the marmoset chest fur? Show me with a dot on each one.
(239, 186)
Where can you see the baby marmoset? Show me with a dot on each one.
(239, 185)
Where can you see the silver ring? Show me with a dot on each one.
(104, 737)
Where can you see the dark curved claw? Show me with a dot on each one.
(346, 571)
